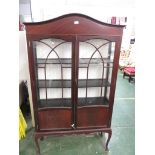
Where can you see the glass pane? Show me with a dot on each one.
(53, 72)
(94, 72)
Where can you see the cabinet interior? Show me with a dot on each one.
(53, 66)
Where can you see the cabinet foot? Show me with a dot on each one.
(101, 134)
(107, 142)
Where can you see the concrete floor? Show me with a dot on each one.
(123, 126)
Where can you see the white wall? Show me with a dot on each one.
(23, 61)
(46, 9)
(23, 66)
(24, 9)
(98, 9)
(25, 12)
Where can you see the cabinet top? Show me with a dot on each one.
(73, 24)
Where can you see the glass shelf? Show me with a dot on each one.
(66, 62)
(60, 102)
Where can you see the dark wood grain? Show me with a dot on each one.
(75, 115)
(55, 118)
(67, 102)
(92, 117)
(64, 25)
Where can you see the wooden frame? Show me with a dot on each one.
(73, 28)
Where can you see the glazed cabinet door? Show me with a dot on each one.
(95, 63)
(53, 70)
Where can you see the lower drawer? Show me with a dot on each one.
(56, 118)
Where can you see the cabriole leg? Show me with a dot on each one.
(42, 138)
(101, 134)
(109, 137)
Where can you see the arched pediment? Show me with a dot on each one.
(73, 24)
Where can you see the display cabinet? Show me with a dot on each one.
(73, 63)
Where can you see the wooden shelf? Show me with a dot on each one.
(93, 83)
(66, 102)
(67, 83)
(92, 101)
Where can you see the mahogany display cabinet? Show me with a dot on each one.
(73, 63)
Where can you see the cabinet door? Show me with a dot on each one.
(53, 66)
(94, 81)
